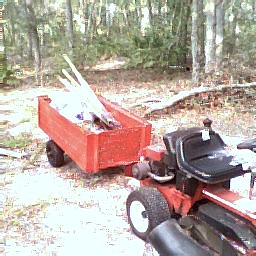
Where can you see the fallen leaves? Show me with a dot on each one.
(50, 211)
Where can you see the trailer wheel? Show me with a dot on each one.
(54, 154)
(146, 209)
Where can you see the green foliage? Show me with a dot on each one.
(16, 142)
(158, 48)
(240, 46)
(247, 48)
(3, 66)
(101, 48)
(7, 73)
(165, 43)
(119, 37)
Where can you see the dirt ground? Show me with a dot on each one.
(63, 211)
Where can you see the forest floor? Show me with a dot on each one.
(63, 211)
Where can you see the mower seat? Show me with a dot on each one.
(208, 161)
(170, 140)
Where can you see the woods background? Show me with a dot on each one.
(217, 36)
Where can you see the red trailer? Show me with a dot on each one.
(94, 151)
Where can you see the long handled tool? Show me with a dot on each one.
(89, 97)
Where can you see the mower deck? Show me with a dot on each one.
(242, 206)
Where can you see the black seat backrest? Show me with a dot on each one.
(207, 160)
(170, 140)
(195, 147)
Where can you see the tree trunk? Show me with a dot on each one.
(70, 23)
(139, 11)
(128, 14)
(165, 12)
(94, 24)
(126, 18)
(89, 24)
(3, 61)
(2, 25)
(86, 14)
(253, 9)
(159, 11)
(29, 49)
(99, 14)
(195, 43)
(42, 39)
(234, 25)
(201, 33)
(184, 31)
(219, 35)
(108, 18)
(150, 12)
(175, 17)
(80, 4)
(32, 28)
(12, 28)
(35, 43)
(210, 37)
(29, 46)
(179, 17)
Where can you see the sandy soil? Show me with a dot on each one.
(63, 211)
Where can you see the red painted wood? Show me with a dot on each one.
(92, 151)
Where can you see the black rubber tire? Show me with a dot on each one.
(140, 170)
(156, 210)
(54, 154)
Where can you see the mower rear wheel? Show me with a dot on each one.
(146, 209)
(54, 154)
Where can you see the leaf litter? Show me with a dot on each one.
(63, 211)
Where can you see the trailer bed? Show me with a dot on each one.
(95, 151)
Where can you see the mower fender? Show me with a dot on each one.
(169, 239)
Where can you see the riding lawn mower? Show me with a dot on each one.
(186, 204)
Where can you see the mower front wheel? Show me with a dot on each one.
(54, 154)
(146, 209)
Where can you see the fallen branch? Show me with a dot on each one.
(6, 152)
(149, 100)
(185, 94)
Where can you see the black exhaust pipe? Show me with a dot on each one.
(170, 240)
